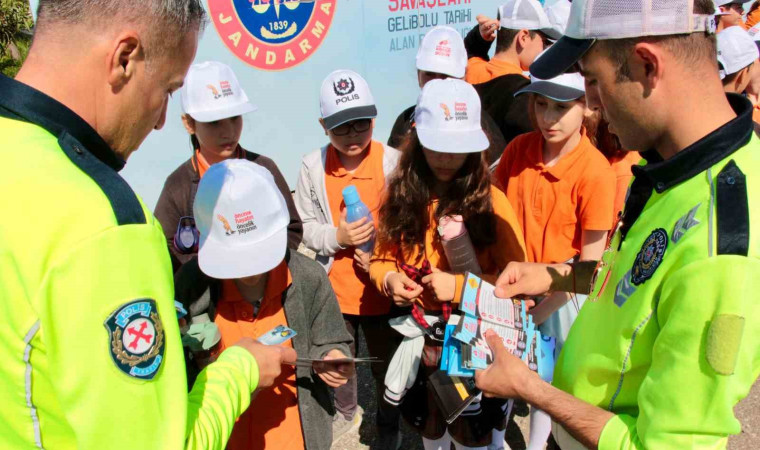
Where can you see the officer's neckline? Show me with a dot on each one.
(703, 154)
(30, 105)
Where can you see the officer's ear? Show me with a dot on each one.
(126, 53)
(322, 122)
(189, 123)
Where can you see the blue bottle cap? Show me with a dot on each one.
(351, 195)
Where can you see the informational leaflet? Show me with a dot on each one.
(482, 311)
(465, 349)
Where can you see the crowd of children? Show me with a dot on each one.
(535, 174)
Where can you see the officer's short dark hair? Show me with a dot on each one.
(694, 49)
(167, 21)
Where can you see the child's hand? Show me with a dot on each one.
(401, 289)
(355, 233)
(334, 375)
(487, 27)
(443, 285)
(361, 259)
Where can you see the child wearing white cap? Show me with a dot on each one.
(248, 282)
(442, 171)
(563, 191)
(214, 103)
(351, 158)
(442, 55)
(737, 54)
(728, 13)
(521, 30)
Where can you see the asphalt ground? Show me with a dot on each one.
(748, 413)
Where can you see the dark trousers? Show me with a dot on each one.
(382, 341)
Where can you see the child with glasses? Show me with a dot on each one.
(351, 158)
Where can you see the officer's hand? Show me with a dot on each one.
(506, 375)
(334, 374)
(487, 27)
(521, 278)
(402, 289)
(443, 285)
(354, 233)
(269, 359)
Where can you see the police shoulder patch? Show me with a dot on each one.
(649, 257)
(136, 338)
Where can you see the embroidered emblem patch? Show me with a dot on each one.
(136, 338)
(649, 257)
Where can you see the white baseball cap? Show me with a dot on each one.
(242, 219)
(447, 117)
(736, 50)
(558, 14)
(524, 15)
(211, 92)
(617, 19)
(442, 51)
(345, 96)
(563, 88)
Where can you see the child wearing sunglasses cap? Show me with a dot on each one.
(213, 103)
(350, 158)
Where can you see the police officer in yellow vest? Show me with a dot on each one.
(669, 340)
(90, 347)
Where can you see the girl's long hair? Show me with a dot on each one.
(404, 216)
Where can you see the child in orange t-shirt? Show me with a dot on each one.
(248, 283)
(563, 191)
(352, 158)
(442, 172)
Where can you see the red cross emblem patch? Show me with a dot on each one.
(136, 338)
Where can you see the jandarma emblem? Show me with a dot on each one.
(272, 34)
(136, 338)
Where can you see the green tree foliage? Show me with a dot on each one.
(15, 34)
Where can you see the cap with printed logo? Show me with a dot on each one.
(447, 117)
(345, 96)
(736, 50)
(442, 51)
(558, 14)
(242, 218)
(617, 19)
(212, 92)
(563, 88)
(524, 15)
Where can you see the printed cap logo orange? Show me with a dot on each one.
(446, 112)
(227, 229)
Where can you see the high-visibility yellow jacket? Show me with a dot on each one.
(90, 349)
(669, 340)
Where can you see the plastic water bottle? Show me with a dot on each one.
(355, 210)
